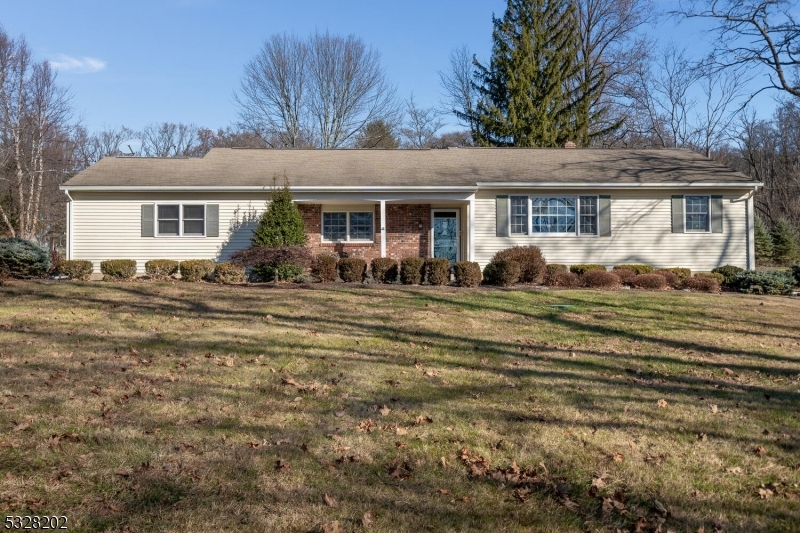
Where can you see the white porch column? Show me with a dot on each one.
(383, 228)
(751, 245)
(471, 229)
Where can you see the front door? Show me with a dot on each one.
(445, 234)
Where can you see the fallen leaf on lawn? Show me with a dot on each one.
(660, 507)
(333, 527)
(367, 520)
(444, 491)
(367, 425)
(400, 444)
(443, 461)
(431, 373)
(134, 352)
(734, 469)
(329, 501)
(702, 437)
(728, 371)
(759, 450)
(714, 408)
(385, 411)
(282, 466)
(23, 426)
(662, 402)
(618, 457)
(764, 493)
(423, 420)
(402, 431)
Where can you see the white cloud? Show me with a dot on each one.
(64, 63)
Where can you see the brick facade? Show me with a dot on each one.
(408, 231)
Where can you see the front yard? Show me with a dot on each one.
(193, 407)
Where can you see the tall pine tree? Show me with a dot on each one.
(281, 224)
(528, 93)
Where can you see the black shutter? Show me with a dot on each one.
(677, 214)
(716, 214)
(501, 208)
(148, 220)
(212, 220)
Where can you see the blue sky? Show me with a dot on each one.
(181, 60)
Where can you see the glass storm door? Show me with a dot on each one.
(445, 234)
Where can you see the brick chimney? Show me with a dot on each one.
(570, 144)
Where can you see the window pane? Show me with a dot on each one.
(361, 226)
(334, 226)
(519, 214)
(553, 215)
(193, 227)
(167, 227)
(193, 211)
(168, 212)
(697, 213)
(588, 215)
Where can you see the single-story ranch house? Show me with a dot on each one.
(665, 208)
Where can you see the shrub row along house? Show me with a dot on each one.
(660, 207)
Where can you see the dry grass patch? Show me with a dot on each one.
(186, 407)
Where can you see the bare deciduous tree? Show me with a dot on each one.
(461, 94)
(34, 117)
(104, 143)
(754, 34)
(169, 139)
(421, 126)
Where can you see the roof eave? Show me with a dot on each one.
(607, 185)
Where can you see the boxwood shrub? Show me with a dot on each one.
(196, 269)
(503, 273)
(352, 269)
(324, 268)
(229, 273)
(583, 269)
(76, 269)
(437, 270)
(467, 274)
(600, 279)
(118, 269)
(412, 270)
(639, 269)
(682, 273)
(713, 275)
(384, 269)
(764, 281)
(161, 268)
(552, 268)
(728, 273)
(532, 265)
(22, 259)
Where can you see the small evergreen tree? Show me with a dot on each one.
(785, 243)
(763, 242)
(281, 224)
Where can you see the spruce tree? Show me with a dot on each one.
(528, 94)
(763, 242)
(785, 243)
(281, 224)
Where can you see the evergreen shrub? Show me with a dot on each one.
(437, 270)
(118, 269)
(324, 268)
(161, 268)
(229, 273)
(384, 269)
(682, 273)
(467, 274)
(76, 269)
(196, 269)
(764, 282)
(728, 273)
(282, 223)
(583, 269)
(713, 275)
(532, 264)
(412, 270)
(639, 269)
(23, 259)
(352, 269)
(503, 273)
(785, 243)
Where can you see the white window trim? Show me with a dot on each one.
(685, 214)
(180, 221)
(458, 228)
(347, 238)
(576, 233)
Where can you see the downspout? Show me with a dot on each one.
(69, 225)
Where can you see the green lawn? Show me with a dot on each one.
(194, 407)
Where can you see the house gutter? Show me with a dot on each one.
(607, 185)
(69, 224)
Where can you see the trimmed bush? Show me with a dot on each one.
(229, 273)
(23, 259)
(682, 273)
(437, 270)
(532, 266)
(625, 275)
(384, 269)
(118, 269)
(352, 269)
(701, 284)
(552, 268)
(713, 275)
(161, 268)
(583, 269)
(639, 269)
(274, 263)
(728, 273)
(324, 268)
(76, 269)
(764, 282)
(412, 270)
(653, 282)
(671, 278)
(467, 274)
(196, 269)
(600, 279)
(502, 273)
(563, 278)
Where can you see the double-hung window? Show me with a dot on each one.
(565, 215)
(175, 220)
(697, 213)
(348, 226)
(519, 215)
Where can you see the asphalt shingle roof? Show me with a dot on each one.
(453, 167)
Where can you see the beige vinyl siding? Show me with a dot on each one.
(641, 232)
(108, 226)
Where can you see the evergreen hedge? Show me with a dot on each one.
(76, 269)
(118, 269)
(352, 269)
(384, 269)
(412, 270)
(467, 274)
(324, 268)
(161, 268)
(437, 270)
(196, 269)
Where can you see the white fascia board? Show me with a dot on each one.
(673, 185)
(167, 188)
